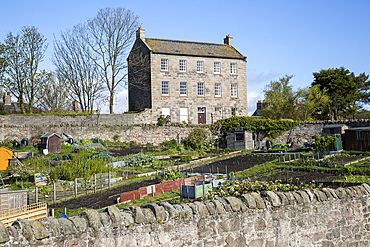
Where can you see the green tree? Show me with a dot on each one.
(23, 54)
(316, 103)
(344, 89)
(283, 101)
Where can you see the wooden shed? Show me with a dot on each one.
(240, 139)
(357, 139)
(51, 142)
(334, 129)
(5, 155)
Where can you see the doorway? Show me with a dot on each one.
(201, 115)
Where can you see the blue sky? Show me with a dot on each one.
(278, 37)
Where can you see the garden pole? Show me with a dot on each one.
(36, 195)
(54, 193)
(226, 170)
(204, 182)
(187, 191)
(94, 183)
(75, 187)
(180, 192)
(109, 178)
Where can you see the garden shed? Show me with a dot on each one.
(12, 199)
(334, 129)
(357, 139)
(5, 155)
(51, 142)
(240, 139)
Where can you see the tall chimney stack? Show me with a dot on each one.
(7, 99)
(140, 33)
(228, 40)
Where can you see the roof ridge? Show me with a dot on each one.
(197, 42)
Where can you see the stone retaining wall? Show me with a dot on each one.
(141, 134)
(310, 217)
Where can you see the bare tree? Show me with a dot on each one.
(55, 93)
(77, 69)
(109, 36)
(23, 54)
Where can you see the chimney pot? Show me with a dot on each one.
(228, 40)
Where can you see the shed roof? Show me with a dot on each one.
(330, 126)
(359, 129)
(192, 48)
(50, 134)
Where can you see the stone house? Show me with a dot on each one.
(187, 80)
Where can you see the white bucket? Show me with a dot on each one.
(45, 151)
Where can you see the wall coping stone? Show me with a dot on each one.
(92, 224)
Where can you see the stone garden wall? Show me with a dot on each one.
(324, 217)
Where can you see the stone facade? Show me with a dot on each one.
(145, 80)
(310, 217)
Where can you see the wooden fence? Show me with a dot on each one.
(34, 211)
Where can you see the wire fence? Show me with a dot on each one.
(63, 190)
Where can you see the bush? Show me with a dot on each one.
(198, 138)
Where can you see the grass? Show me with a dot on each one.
(267, 168)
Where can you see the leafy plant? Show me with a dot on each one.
(198, 137)
(140, 159)
(171, 175)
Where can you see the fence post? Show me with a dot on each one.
(94, 183)
(75, 187)
(180, 192)
(54, 193)
(109, 177)
(204, 182)
(36, 195)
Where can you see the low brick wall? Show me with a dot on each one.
(310, 217)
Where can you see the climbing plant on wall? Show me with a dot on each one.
(272, 128)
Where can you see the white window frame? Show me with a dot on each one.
(184, 114)
(183, 88)
(165, 88)
(217, 67)
(233, 68)
(200, 66)
(164, 64)
(218, 89)
(200, 88)
(234, 90)
(182, 65)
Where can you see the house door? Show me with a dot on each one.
(201, 115)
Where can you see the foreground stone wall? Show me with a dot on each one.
(310, 217)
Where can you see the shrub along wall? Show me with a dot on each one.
(324, 217)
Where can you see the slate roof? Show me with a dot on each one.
(192, 48)
(330, 126)
(15, 108)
